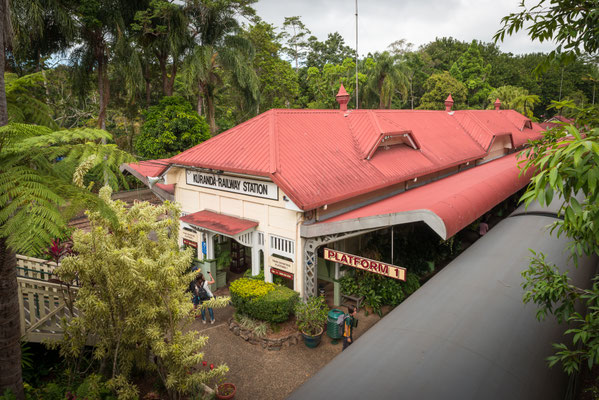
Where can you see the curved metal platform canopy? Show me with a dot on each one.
(465, 334)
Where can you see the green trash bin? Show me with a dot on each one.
(333, 329)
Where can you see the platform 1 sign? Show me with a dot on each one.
(366, 264)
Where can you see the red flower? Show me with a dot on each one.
(204, 363)
(211, 366)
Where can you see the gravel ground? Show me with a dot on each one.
(262, 374)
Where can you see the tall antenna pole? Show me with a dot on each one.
(357, 55)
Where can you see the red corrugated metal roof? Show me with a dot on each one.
(317, 157)
(170, 188)
(457, 200)
(152, 167)
(219, 223)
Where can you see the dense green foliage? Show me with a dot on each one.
(132, 299)
(277, 280)
(573, 25)
(471, 70)
(169, 128)
(438, 87)
(311, 315)
(566, 166)
(379, 290)
(37, 190)
(568, 163)
(127, 59)
(262, 300)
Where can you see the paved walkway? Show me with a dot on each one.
(264, 374)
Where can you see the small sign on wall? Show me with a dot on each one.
(284, 274)
(190, 243)
(281, 264)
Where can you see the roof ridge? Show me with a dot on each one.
(521, 129)
(476, 121)
(379, 131)
(273, 143)
(402, 128)
(353, 136)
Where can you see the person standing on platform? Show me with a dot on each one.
(203, 293)
(348, 326)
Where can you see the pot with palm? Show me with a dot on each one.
(310, 319)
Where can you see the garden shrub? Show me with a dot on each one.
(277, 280)
(169, 128)
(379, 290)
(262, 300)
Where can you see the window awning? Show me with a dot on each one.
(219, 223)
(447, 205)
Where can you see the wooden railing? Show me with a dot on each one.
(43, 300)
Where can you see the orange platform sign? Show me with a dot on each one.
(366, 264)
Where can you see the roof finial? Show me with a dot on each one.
(342, 98)
(448, 103)
(497, 104)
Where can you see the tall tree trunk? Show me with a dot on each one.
(210, 114)
(171, 80)
(3, 106)
(200, 100)
(148, 84)
(380, 83)
(102, 91)
(163, 73)
(10, 329)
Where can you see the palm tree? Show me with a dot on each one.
(162, 31)
(219, 48)
(513, 98)
(386, 79)
(101, 25)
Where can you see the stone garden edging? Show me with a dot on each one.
(266, 343)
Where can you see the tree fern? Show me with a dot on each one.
(37, 190)
(23, 104)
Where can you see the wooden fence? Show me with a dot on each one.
(43, 300)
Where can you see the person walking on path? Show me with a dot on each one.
(348, 326)
(202, 293)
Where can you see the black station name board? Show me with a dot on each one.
(250, 187)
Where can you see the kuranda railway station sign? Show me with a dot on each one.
(234, 184)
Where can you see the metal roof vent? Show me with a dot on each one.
(342, 98)
(497, 104)
(448, 103)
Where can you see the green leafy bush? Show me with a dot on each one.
(170, 127)
(262, 300)
(277, 280)
(379, 290)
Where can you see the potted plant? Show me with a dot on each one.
(310, 319)
(223, 260)
(225, 391)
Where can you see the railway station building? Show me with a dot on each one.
(280, 186)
